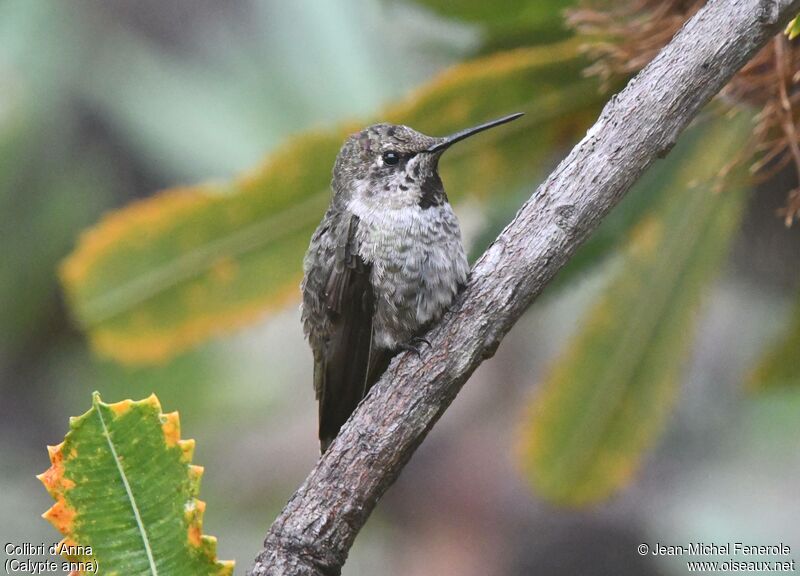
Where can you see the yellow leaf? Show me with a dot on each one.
(793, 29)
(171, 271)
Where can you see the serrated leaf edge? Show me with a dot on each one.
(61, 514)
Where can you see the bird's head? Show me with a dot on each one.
(394, 166)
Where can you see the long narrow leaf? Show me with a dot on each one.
(606, 398)
(171, 271)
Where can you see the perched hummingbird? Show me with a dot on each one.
(383, 265)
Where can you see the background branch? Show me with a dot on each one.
(317, 527)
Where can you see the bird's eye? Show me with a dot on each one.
(391, 157)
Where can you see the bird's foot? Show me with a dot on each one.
(414, 345)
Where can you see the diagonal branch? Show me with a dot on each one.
(314, 532)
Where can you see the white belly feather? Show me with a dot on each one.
(418, 263)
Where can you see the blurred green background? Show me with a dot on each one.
(102, 103)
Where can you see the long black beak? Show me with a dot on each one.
(448, 141)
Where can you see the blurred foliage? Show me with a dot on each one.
(509, 23)
(49, 189)
(780, 366)
(228, 90)
(167, 273)
(608, 394)
(173, 270)
(125, 486)
(98, 110)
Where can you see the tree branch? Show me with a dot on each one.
(316, 529)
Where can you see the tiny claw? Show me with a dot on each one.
(421, 340)
(414, 345)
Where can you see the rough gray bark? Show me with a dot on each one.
(314, 532)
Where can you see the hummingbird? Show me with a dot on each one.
(383, 265)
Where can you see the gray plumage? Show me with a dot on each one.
(384, 263)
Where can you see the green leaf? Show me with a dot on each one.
(500, 12)
(606, 398)
(780, 366)
(793, 29)
(171, 271)
(125, 493)
(509, 22)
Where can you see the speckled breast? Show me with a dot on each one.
(418, 264)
